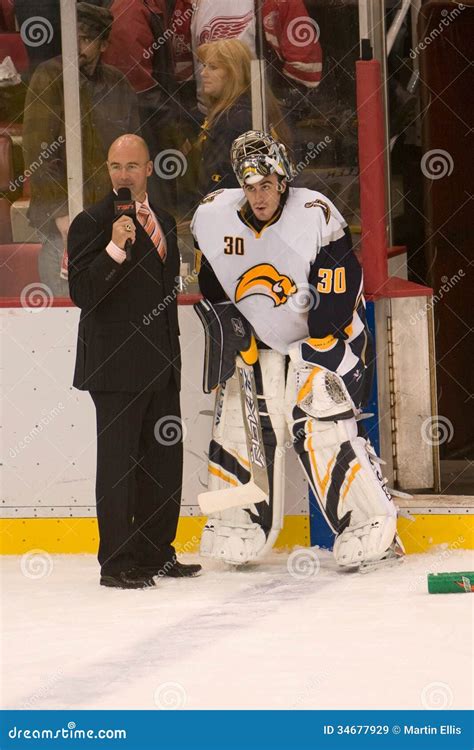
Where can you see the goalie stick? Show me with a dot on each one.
(257, 489)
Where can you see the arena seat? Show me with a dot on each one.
(18, 268)
(12, 45)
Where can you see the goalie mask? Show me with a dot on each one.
(255, 155)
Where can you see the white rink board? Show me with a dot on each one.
(48, 444)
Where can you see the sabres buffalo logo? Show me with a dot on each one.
(264, 279)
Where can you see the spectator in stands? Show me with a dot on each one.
(226, 93)
(108, 110)
(291, 38)
(141, 49)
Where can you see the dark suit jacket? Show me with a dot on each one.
(128, 329)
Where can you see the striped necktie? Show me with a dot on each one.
(152, 229)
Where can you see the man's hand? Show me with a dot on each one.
(62, 224)
(123, 229)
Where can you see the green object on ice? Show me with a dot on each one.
(451, 583)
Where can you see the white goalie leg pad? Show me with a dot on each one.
(232, 537)
(367, 542)
(342, 469)
(236, 535)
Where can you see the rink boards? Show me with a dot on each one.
(49, 446)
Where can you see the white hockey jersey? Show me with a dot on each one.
(266, 273)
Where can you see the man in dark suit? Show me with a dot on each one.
(128, 357)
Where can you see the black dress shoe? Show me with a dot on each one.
(134, 578)
(172, 569)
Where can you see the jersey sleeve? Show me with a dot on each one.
(338, 334)
(336, 277)
(209, 285)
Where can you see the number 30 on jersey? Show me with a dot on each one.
(233, 245)
(332, 280)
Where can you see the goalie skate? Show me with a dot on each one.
(394, 555)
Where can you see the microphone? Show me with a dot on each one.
(125, 206)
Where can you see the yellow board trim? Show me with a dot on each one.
(80, 535)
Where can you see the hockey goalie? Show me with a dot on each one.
(287, 349)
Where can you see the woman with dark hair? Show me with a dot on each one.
(226, 88)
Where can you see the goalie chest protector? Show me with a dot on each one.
(266, 273)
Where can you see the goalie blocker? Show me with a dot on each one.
(339, 463)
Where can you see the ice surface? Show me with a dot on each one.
(274, 636)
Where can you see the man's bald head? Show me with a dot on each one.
(130, 140)
(129, 165)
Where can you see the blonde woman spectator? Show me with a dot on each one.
(291, 38)
(226, 90)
